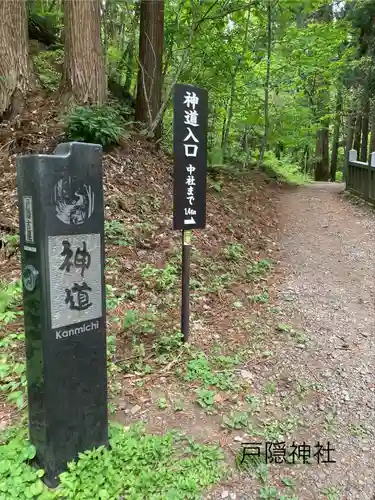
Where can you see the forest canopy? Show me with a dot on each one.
(288, 81)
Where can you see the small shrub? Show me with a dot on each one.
(258, 269)
(10, 298)
(234, 252)
(117, 233)
(13, 369)
(215, 156)
(200, 369)
(162, 279)
(236, 420)
(167, 346)
(284, 169)
(205, 397)
(10, 243)
(339, 177)
(139, 322)
(95, 124)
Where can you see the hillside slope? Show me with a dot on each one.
(150, 375)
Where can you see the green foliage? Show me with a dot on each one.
(331, 493)
(166, 346)
(260, 298)
(117, 233)
(162, 279)
(162, 404)
(234, 252)
(18, 479)
(268, 493)
(140, 466)
(95, 124)
(11, 243)
(10, 297)
(200, 369)
(112, 299)
(137, 466)
(139, 322)
(216, 156)
(236, 420)
(285, 170)
(12, 370)
(258, 269)
(205, 398)
(47, 66)
(339, 177)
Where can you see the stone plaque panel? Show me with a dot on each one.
(75, 274)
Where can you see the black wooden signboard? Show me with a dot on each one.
(62, 248)
(190, 157)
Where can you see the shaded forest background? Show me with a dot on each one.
(290, 83)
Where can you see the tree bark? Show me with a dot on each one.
(84, 74)
(336, 135)
(322, 153)
(372, 139)
(233, 87)
(357, 133)
(16, 73)
(131, 49)
(151, 43)
(267, 85)
(323, 15)
(365, 128)
(350, 126)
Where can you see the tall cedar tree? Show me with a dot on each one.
(322, 173)
(151, 44)
(84, 74)
(16, 74)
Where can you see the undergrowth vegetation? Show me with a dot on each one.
(137, 466)
(285, 169)
(96, 125)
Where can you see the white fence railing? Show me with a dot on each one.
(360, 177)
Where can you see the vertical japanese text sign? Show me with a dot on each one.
(190, 157)
(62, 247)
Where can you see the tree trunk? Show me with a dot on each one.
(350, 126)
(151, 43)
(131, 49)
(372, 139)
(357, 133)
(336, 135)
(322, 15)
(16, 73)
(267, 85)
(322, 153)
(224, 127)
(365, 128)
(84, 74)
(228, 121)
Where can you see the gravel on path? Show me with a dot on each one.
(327, 256)
(328, 245)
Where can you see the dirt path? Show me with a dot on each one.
(327, 254)
(328, 247)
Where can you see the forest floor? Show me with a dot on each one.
(282, 320)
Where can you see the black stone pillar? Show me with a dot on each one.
(62, 246)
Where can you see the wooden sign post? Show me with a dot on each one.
(190, 172)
